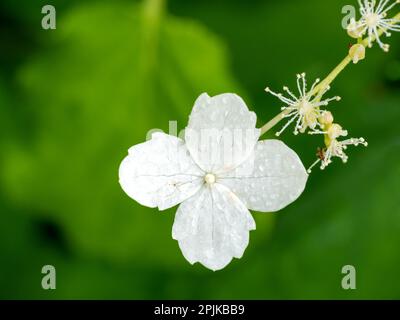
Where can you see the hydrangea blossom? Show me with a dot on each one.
(219, 173)
(305, 108)
(373, 20)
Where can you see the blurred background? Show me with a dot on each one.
(74, 99)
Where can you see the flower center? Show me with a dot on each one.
(305, 107)
(209, 178)
(372, 20)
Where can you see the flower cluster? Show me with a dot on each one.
(334, 148)
(374, 22)
(305, 108)
(306, 112)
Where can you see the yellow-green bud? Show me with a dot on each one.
(326, 118)
(357, 52)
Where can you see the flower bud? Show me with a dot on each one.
(326, 118)
(357, 52)
(354, 29)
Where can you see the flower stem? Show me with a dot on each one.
(324, 83)
(332, 76)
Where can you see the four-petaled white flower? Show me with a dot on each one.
(217, 174)
(335, 148)
(305, 108)
(373, 20)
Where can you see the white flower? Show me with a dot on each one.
(217, 174)
(305, 108)
(335, 148)
(373, 20)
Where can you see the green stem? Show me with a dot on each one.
(153, 11)
(332, 76)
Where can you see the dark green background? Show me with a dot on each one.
(73, 100)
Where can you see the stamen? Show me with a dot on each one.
(298, 84)
(290, 92)
(317, 132)
(303, 76)
(285, 126)
(313, 165)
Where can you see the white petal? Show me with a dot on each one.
(212, 227)
(160, 172)
(221, 132)
(270, 179)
